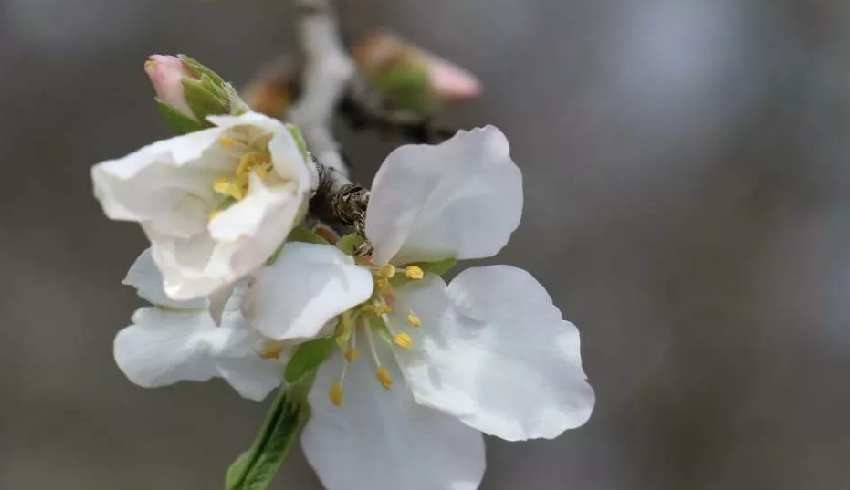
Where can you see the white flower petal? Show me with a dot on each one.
(306, 287)
(495, 352)
(250, 230)
(239, 364)
(382, 440)
(168, 182)
(253, 378)
(461, 199)
(186, 264)
(163, 347)
(288, 160)
(146, 278)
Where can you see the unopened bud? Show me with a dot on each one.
(188, 92)
(410, 77)
(167, 74)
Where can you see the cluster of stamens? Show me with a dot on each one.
(364, 318)
(253, 157)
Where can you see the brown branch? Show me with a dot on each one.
(337, 201)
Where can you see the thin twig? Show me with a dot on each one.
(327, 71)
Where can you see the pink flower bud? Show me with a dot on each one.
(167, 74)
(381, 51)
(451, 82)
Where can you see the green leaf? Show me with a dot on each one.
(307, 358)
(349, 243)
(176, 120)
(255, 469)
(437, 267)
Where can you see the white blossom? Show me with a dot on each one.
(215, 203)
(426, 367)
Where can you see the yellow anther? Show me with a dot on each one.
(336, 394)
(351, 354)
(403, 340)
(384, 377)
(228, 188)
(414, 272)
(214, 213)
(247, 163)
(377, 308)
(229, 142)
(387, 271)
(413, 319)
(382, 283)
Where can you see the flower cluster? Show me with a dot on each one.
(419, 367)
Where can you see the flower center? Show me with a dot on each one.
(371, 318)
(252, 157)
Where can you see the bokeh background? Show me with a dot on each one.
(686, 175)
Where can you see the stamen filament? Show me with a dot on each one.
(381, 373)
(351, 354)
(336, 391)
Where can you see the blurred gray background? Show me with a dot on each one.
(686, 175)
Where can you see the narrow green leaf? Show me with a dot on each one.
(307, 358)
(176, 120)
(255, 469)
(349, 243)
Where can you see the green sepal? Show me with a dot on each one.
(204, 98)
(406, 86)
(218, 86)
(306, 235)
(349, 243)
(178, 121)
(198, 70)
(307, 358)
(295, 131)
(437, 267)
(255, 468)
